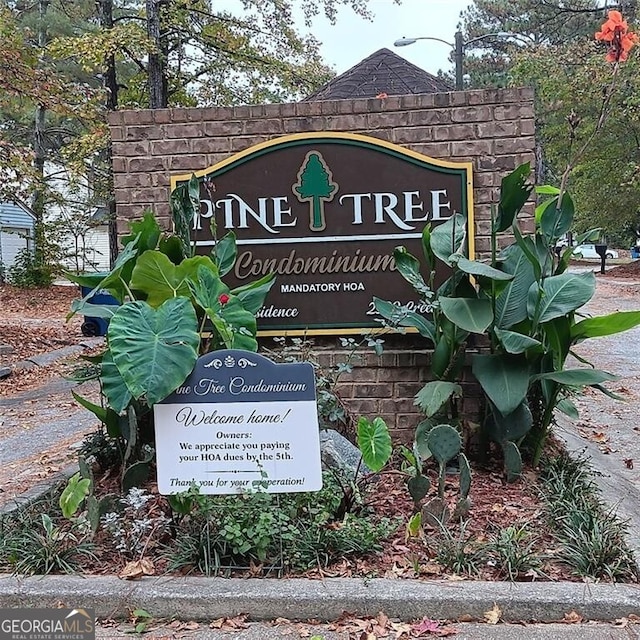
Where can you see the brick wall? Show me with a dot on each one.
(494, 129)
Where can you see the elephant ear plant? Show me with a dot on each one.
(525, 303)
(174, 307)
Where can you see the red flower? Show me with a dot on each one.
(223, 298)
(615, 31)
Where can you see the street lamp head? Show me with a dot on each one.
(403, 42)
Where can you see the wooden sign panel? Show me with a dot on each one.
(324, 211)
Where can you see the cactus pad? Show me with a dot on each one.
(444, 443)
(418, 487)
(512, 461)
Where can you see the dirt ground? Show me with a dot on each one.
(32, 322)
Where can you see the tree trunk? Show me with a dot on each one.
(110, 83)
(158, 93)
(38, 203)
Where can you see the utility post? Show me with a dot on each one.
(458, 56)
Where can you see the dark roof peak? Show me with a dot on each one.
(382, 72)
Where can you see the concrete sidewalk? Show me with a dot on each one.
(463, 631)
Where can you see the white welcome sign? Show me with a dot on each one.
(240, 423)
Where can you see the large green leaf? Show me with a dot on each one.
(89, 280)
(577, 377)
(146, 231)
(558, 339)
(511, 304)
(514, 342)
(111, 281)
(605, 325)
(154, 349)
(447, 238)
(171, 246)
(253, 294)
(225, 253)
(560, 295)
(512, 426)
(185, 204)
(107, 416)
(207, 287)
(374, 442)
(504, 378)
(93, 310)
(426, 248)
(514, 192)
(470, 314)
(409, 268)
(242, 323)
(434, 394)
(529, 247)
(397, 316)
(155, 275)
(235, 325)
(474, 268)
(113, 386)
(556, 221)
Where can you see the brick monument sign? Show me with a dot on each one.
(486, 133)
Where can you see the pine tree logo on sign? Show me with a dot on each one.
(315, 185)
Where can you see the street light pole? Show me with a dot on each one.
(459, 46)
(458, 56)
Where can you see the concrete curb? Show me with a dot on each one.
(45, 359)
(303, 599)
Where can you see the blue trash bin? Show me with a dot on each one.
(635, 252)
(92, 325)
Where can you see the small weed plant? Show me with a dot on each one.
(135, 528)
(32, 542)
(513, 552)
(458, 552)
(290, 531)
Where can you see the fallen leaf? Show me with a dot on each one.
(382, 95)
(426, 625)
(137, 569)
(573, 617)
(628, 463)
(230, 624)
(493, 615)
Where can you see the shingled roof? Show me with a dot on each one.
(382, 72)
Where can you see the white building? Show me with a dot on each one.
(16, 231)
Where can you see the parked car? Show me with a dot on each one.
(589, 251)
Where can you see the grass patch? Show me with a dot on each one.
(591, 536)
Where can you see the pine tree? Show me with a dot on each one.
(315, 185)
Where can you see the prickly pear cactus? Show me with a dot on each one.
(465, 476)
(512, 461)
(418, 487)
(444, 443)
